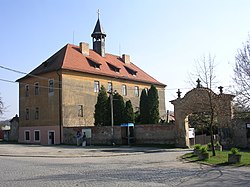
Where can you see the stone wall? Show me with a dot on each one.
(155, 134)
(205, 139)
(99, 135)
(144, 134)
(239, 133)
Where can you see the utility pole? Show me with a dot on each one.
(112, 114)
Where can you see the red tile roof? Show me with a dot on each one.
(71, 58)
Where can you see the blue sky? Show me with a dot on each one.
(162, 37)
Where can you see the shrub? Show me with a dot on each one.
(234, 151)
(197, 146)
(203, 149)
(209, 145)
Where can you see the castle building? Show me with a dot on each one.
(62, 91)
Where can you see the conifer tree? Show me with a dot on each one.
(129, 116)
(100, 114)
(118, 109)
(144, 112)
(153, 105)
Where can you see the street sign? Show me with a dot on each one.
(191, 133)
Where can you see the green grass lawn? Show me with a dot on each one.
(220, 159)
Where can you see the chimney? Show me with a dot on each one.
(84, 48)
(126, 59)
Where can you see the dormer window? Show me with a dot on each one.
(93, 64)
(113, 68)
(131, 71)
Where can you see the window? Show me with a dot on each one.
(124, 90)
(136, 91)
(37, 136)
(37, 113)
(27, 90)
(131, 71)
(80, 110)
(27, 116)
(93, 64)
(96, 86)
(36, 89)
(113, 68)
(51, 86)
(27, 135)
(110, 86)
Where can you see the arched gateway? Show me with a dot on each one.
(201, 99)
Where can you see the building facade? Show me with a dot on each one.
(62, 91)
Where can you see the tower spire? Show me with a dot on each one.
(98, 36)
(98, 13)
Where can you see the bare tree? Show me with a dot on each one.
(242, 76)
(1, 106)
(205, 70)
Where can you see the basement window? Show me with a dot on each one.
(37, 136)
(27, 135)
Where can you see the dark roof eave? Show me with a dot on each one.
(117, 77)
(99, 73)
(37, 74)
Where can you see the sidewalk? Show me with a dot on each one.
(23, 150)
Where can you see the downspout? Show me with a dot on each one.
(60, 104)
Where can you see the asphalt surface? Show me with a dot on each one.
(34, 165)
(64, 151)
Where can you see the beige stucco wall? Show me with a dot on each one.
(75, 89)
(78, 89)
(48, 103)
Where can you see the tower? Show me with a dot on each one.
(98, 36)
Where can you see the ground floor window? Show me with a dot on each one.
(27, 135)
(37, 136)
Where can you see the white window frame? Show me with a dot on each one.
(35, 136)
(27, 90)
(27, 113)
(37, 89)
(25, 136)
(137, 91)
(96, 86)
(37, 113)
(124, 90)
(110, 86)
(51, 86)
(80, 110)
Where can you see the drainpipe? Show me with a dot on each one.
(60, 104)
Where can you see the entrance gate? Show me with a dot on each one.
(201, 99)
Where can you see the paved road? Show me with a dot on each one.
(22, 165)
